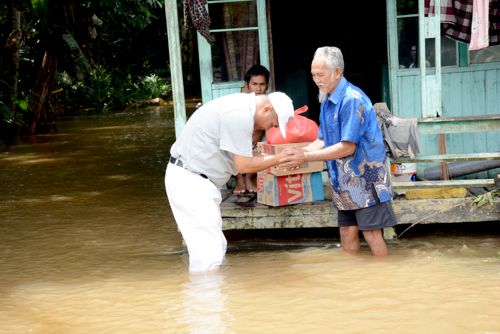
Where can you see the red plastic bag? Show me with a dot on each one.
(298, 130)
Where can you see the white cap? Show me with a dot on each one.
(283, 106)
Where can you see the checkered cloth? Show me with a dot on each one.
(195, 14)
(456, 17)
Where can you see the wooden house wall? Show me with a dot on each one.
(468, 91)
(221, 89)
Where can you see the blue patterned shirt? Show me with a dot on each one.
(359, 180)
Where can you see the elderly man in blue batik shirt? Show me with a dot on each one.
(351, 142)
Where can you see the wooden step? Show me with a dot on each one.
(444, 184)
(449, 157)
(324, 214)
(436, 125)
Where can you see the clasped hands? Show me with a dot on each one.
(294, 159)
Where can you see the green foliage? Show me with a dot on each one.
(94, 94)
(5, 113)
(133, 14)
(123, 89)
(105, 90)
(23, 104)
(40, 6)
(486, 198)
(100, 89)
(9, 118)
(132, 37)
(110, 53)
(153, 86)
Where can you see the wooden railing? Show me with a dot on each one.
(444, 125)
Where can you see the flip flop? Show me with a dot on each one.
(247, 200)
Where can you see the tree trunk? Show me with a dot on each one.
(10, 68)
(65, 15)
(40, 94)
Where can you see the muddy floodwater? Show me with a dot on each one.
(88, 245)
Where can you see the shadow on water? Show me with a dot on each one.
(244, 240)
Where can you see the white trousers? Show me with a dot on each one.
(195, 203)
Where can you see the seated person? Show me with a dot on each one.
(256, 81)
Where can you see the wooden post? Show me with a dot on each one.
(174, 52)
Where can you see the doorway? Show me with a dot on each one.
(359, 29)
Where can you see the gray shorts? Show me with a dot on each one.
(375, 217)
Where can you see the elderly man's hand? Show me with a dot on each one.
(294, 159)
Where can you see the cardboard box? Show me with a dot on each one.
(308, 167)
(289, 189)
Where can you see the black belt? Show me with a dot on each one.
(179, 163)
(176, 162)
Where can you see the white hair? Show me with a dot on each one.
(333, 56)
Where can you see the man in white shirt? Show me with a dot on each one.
(216, 142)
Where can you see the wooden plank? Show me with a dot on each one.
(441, 192)
(436, 125)
(234, 85)
(446, 210)
(450, 157)
(307, 215)
(323, 214)
(492, 106)
(174, 51)
(444, 184)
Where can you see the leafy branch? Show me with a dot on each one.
(486, 198)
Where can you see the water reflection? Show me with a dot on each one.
(202, 304)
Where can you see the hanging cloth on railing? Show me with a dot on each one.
(195, 14)
(480, 22)
(456, 17)
(400, 134)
